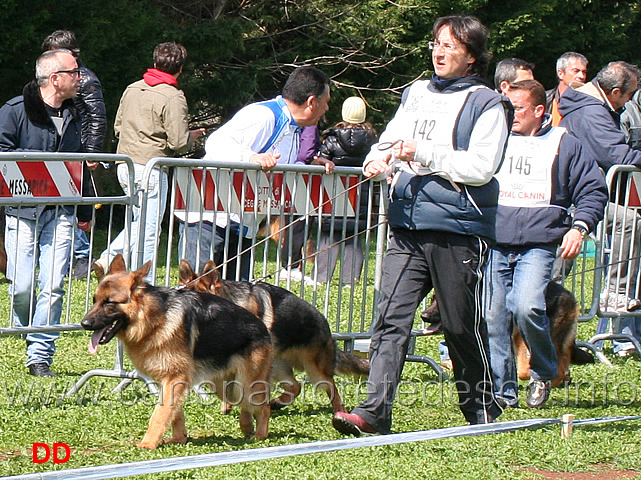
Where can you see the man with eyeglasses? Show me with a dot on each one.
(447, 139)
(42, 119)
(90, 104)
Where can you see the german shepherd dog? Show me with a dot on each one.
(180, 338)
(300, 334)
(561, 309)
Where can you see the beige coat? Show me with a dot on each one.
(152, 122)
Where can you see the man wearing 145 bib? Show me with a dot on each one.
(542, 175)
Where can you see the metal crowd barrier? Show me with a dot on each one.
(51, 180)
(298, 202)
(275, 209)
(615, 273)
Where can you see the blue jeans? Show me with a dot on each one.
(47, 241)
(156, 203)
(515, 283)
(627, 326)
(195, 245)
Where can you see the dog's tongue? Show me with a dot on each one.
(93, 342)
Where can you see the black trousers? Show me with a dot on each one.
(416, 262)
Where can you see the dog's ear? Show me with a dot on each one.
(210, 275)
(185, 273)
(140, 274)
(117, 265)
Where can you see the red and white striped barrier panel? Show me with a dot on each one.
(259, 192)
(40, 179)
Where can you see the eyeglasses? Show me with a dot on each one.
(448, 47)
(75, 71)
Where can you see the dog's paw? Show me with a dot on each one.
(148, 445)
(182, 439)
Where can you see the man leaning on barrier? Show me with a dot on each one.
(42, 119)
(266, 133)
(543, 174)
(448, 136)
(591, 113)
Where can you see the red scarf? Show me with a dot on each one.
(153, 77)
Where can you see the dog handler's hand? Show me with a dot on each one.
(571, 245)
(266, 160)
(405, 150)
(376, 167)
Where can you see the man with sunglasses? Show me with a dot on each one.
(42, 119)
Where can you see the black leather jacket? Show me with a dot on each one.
(91, 107)
(347, 147)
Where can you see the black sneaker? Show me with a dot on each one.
(81, 269)
(41, 370)
(538, 393)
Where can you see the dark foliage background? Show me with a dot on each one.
(242, 50)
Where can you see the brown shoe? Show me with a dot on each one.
(351, 424)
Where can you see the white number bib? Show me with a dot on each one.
(525, 177)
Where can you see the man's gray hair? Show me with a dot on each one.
(562, 61)
(48, 63)
(617, 74)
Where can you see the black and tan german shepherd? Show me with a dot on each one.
(561, 309)
(180, 338)
(300, 334)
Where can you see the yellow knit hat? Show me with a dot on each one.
(354, 110)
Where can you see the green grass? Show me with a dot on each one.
(102, 427)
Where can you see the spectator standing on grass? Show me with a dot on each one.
(90, 105)
(631, 127)
(152, 121)
(345, 145)
(542, 175)
(266, 133)
(448, 137)
(38, 239)
(592, 114)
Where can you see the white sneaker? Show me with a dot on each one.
(619, 302)
(294, 274)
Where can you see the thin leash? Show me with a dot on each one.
(311, 214)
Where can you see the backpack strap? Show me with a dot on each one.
(282, 120)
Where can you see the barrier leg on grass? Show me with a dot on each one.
(117, 372)
(431, 362)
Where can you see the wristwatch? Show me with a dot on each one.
(582, 230)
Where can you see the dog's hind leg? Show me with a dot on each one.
(521, 353)
(168, 410)
(255, 401)
(283, 373)
(320, 364)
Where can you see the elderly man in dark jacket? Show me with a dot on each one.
(42, 119)
(592, 114)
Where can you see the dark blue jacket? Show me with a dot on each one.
(576, 180)
(25, 126)
(596, 125)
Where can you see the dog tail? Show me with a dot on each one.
(580, 356)
(348, 364)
